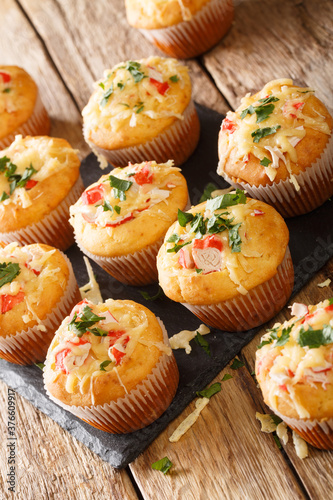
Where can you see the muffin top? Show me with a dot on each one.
(129, 209)
(33, 278)
(36, 174)
(101, 352)
(273, 135)
(221, 248)
(155, 14)
(294, 363)
(136, 101)
(18, 94)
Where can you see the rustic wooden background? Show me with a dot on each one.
(65, 45)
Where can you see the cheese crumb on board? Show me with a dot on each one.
(324, 283)
(182, 339)
(186, 424)
(282, 432)
(301, 446)
(267, 423)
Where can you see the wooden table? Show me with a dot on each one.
(65, 45)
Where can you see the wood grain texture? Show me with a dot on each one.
(85, 38)
(273, 39)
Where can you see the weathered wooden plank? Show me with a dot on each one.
(275, 39)
(98, 39)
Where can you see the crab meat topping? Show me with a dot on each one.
(185, 258)
(298, 309)
(207, 254)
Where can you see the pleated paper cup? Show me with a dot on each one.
(199, 34)
(31, 345)
(253, 309)
(37, 124)
(176, 143)
(316, 186)
(139, 407)
(53, 229)
(138, 268)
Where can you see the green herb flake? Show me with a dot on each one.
(263, 112)
(264, 342)
(226, 200)
(174, 78)
(101, 84)
(163, 465)
(106, 96)
(6, 91)
(107, 206)
(202, 342)
(210, 391)
(184, 218)
(284, 337)
(315, 338)
(139, 109)
(8, 272)
(235, 240)
(236, 364)
(119, 187)
(207, 194)
(103, 365)
(121, 85)
(83, 321)
(277, 420)
(226, 376)
(40, 365)
(265, 161)
(27, 174)
(269, 99)
(277, 440)
(3, 163)
(176, 248)
(174, 238)
(260, 133)
(330, 301)
(198, 271)
(98, 332)
(124, 104)
(133, 68)
(4, 196)
(247, 111)
(159, 295)
(117, 209)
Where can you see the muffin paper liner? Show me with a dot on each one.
(141, 406)
(37, 124)
(193, 37)
(138, 268)
(316, 186)
(253, 309)
(29, 346)
(318, 433)
(177, 143)
(54, 229)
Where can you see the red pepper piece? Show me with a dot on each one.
(161, 87)
(7, 302)
(5, 77)
(229, 126)
(30, 184)
(329, 308)
(144, 176)
(93, 195)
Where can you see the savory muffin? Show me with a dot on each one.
(111, 365)
(142, 110)
(278, 146)
(120, 220)
(295, 372)
(37, 289)
(227, 260)
(184, 28)
(39, 180)
(21, 109)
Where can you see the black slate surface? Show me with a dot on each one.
(311, 245)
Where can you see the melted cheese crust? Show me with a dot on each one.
(264, 243)
(156, 14)
(136, 112)
(305, 127)
(43, 279)
(86, 384)
(297, 381)
(57, 166)
(17, 99)
(153, 207)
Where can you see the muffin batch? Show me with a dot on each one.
(227, 260)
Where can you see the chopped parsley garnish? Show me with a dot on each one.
(40, 365)
(98, 332)
(83, 321)
(330, 301)
(277, 420)
(260, 133)
(198, 271)
(163, 465)
(236, 364)
(6, 91)
(284, 337)
(262, 111)
(117, 209)
(159, 295)
(107, 206)
(121, 85)
(174, 238)
(184, 218)
(226, 200)
(210, 391)
(103, 365)
(134, 68)
(235, 240)
(106, 96)
(174, 78)
(4, 196)
(226, 376)
(282, 340)
(15, 180)
(26, 176)
(277, 440)
(202, 342)
(269, 99)
(102, 85)
(8, 271)
(139, 108)
(315, 338)
(176, 248)
(265, 161)
(124, 104)
(207, 194)
(119, 187)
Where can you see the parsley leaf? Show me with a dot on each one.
(28, 172)
(174, 238)
(198, 271)
(277, 440)
(260, 133)
(226, 376)
(164, 465)
(315, 338)
(202, 342)
(6, 91)
(198, 225)
(226, 200)
(98, 332)
(107, 206)
(265, 161)
(236, 364)
(40, 365)
(263, 112)
(235, 240)
(106, 96)
(330, 301)
(207, 194)
(134, 68)
(8, 271)
(159, 295)
(176, 248)
(83, 321)
(269, 99)
(210, 391)
(174, 78)
(103, 365)
(277, 420)
(119, 187)
(284, 337)
(117, 209)
(247, 111)
(3, 162)
(184, 218)
(4, 196)
(121, 85)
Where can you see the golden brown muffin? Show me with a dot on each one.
(120, 220)
(37, 288)
(21, 109)
(278, 146)
(181, 28)
(227, 260)
(39, 180)
(112, 366)
(142, 109)
(294, 368)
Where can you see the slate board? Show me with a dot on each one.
(311, 245)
